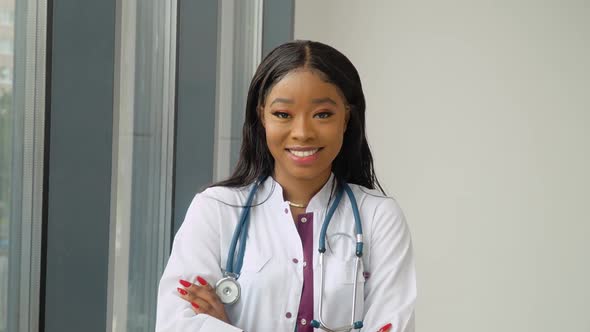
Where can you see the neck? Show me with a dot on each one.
(300, 191)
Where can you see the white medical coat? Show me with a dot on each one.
(271, 282)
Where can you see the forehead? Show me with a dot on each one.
(303, 86)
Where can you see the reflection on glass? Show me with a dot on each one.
(6, 147)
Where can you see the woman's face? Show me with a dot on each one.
(304, 118)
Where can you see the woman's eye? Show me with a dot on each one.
(281, 115)
(323, 115)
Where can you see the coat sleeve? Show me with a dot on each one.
(390, 291)
(195, 252)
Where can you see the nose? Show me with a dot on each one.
(302, 129)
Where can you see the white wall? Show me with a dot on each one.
(479, 119)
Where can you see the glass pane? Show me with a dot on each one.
(143, 141)
(6, 148)
(240, 46)
(22, 64)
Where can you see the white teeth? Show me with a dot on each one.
(302, 154)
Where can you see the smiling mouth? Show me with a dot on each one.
(304, 153)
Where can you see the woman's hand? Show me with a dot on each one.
(203, 298)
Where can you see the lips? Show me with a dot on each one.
(303, 153)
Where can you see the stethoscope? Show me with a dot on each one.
(228, 288)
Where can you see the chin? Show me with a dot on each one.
(302, 173)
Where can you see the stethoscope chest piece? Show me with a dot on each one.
(228, 290)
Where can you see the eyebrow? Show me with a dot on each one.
(282, 101)
(323, 101)
(313, 101)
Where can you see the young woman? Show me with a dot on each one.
(304, 184)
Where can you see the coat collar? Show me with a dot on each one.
(273, 190)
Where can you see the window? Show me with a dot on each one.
(21, 160)
(143, 148)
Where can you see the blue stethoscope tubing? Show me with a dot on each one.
(354, 324)
(228, 287)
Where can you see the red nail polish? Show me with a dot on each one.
(385, 328)
(185, 283)
(195, 305)
(202, 281)
(182, 291)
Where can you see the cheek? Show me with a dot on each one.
(270, 135)
(334, 135)
(273, 138)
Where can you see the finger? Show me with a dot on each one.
(199, 281)
(199, 297)
(183, 292)
(186, 289)
(201, 306)
(205, 290)
(186, 295)
(385, 328)
(195, 308)
(207, 294)
(185, 284)
(198, 305)
(202, 282)
(190, 287)
(200, 289)
(204, 300)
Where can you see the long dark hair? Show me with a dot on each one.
(354, 163)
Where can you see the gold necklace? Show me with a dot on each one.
(297, 205)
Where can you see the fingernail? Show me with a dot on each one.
(202, 281)
(182, 291)
(195, 305)
(185, 283)
(385, 328)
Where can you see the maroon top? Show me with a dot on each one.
(305, 230)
